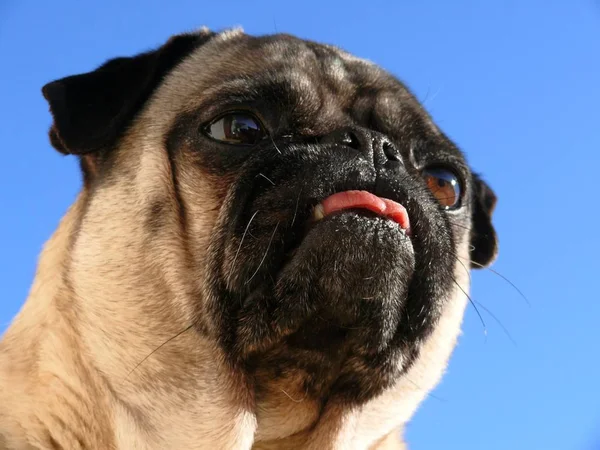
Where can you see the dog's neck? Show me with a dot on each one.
(42, 361)
(83, 375)
(81, 381)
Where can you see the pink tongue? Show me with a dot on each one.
(362, 199)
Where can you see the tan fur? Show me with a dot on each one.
(75, 369)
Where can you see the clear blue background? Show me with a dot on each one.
(516, 83)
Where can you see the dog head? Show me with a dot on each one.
(291, 204)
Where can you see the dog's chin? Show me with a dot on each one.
(335, 313)
(345, 284)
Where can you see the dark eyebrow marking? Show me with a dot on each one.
(251, 89)
(299, 99)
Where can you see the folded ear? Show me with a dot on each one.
(92, 110)
(484, 243)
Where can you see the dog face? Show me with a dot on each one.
(301, 207)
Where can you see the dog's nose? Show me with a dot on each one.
(374, 145)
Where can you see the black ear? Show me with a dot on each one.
(92, 110)
(484, 243)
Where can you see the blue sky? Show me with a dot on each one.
(515, 83)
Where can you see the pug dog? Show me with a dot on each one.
(270, 250)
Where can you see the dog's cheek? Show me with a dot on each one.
(185, 218)
(202, 197)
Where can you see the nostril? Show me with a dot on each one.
(390, 152)
(345, 137)
(374, 146)
(351, 140)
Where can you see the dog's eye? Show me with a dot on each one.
(239, 127)
(444, 185)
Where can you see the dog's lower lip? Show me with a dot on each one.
(363, 200)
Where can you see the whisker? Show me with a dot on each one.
(158, 348)
(266, 178)
(428, 394)
(427, 99)
(464, 267)
(505, 279)
(493, 316)
(264, 256)
(296, 208)
(293, 399)
(456, 224)
(242, 240)
(274, 144)
(495, 272)
(474, 306)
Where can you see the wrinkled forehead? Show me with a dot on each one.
(281, 59)
(237, 67)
